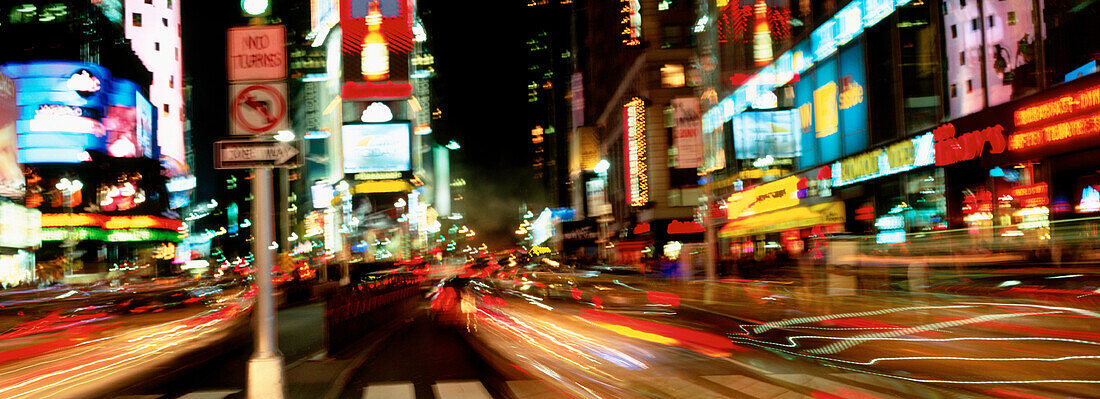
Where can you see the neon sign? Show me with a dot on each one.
(951, 149)
(1032, 195)
(631, 16)
(1075, 102)
(83, 83)
(780, 194)
(689, 227)
(895, 158)
(1083, 126)
(634, 146)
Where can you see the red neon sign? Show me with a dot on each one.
(967, 146)
(979, 202)
(1064, 105)
(1032, 195)
(1074, 128)
(375, 91)
(678, 227)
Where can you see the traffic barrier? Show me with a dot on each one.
(354, 311)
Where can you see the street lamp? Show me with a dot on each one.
(67, 188)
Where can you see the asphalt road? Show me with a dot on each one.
(423, 355)
(223, 368)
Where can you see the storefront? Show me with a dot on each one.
(774, 222)
(1024, 177)
(19, 237)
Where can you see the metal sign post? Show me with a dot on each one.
(258, 54)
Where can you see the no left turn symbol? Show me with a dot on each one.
(258, 108)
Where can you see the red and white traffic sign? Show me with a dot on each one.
(256, 53)
(257, 109)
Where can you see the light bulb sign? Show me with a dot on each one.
(256, 53)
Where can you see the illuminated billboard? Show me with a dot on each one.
(831, 106)
(757, 134)
(377, 147)
(634, 152)
(376, 41)
(69, 108)
(12, 183)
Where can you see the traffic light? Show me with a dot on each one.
(255, 8)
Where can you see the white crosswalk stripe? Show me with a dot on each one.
(460, 390)
(776, 386)
(393, 390)
(210, 394)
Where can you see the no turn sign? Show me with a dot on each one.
(256, 53)
(257, 109)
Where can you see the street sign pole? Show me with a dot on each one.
(265, 367)
(259, 108)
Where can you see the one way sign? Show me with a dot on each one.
(245, 154)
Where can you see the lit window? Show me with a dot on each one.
(672, 75)
(1012, 18)
(136, 19)
(962, 58)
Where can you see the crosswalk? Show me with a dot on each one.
(778, 386)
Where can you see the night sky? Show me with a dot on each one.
(478, 87)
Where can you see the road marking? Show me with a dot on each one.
(209, 394)
(390, 390)
(753, 387)
(471, 389)
(534, 389)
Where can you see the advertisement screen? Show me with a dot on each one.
(68, 108)
(376, 41)
(377, 147)
(144, 115)
(831, 107)
(11, 176)
(761, 133)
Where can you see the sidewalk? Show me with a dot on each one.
(326, 378)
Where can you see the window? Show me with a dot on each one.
(943, 8)
(954, 90)
(954, 32)
(177, 53)
(962, 58)
(167, 109)
(991, 24)
(969, 86)
(673, 37)
(135, 19)
(164, 21)
(148, 1)
(169, 4)
(156, 46)
(1012, 18)
(171, 82)
(974, 24)
(672, 75)
(962, 3)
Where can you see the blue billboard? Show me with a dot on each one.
(377, 147)
(761, 133)
(830, 102)
(68, 108)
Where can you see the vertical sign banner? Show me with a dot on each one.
(576, 97)
(11, 176)
(596, 192)
(687, 135)
(376, 42)
(634, 152)
(256, 53)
